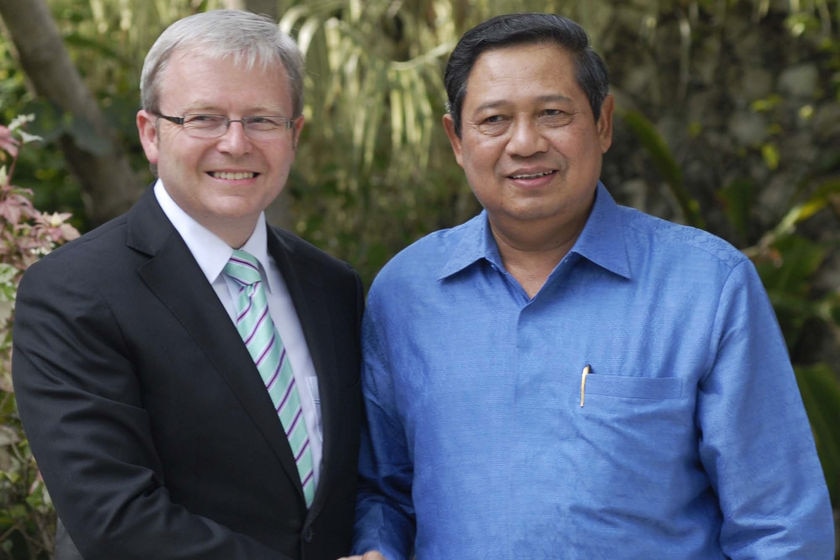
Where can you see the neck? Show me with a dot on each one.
(233, 232)
(530, 253)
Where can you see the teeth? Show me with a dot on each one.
(533, 175)
(234, 176)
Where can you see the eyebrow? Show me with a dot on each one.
(542, 99)
(210, 109)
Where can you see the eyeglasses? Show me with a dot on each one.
(260, 127)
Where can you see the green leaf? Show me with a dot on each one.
(821, 395)
(798, 259)
(8, 285)
(664, 162)
(738, 197)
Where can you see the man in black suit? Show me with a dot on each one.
(147, 415)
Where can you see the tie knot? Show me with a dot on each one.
(243, 267)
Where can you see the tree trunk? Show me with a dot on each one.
(107, 180)
(265, 7)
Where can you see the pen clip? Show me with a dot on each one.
(586, 371)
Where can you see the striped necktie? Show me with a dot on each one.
(256, 328)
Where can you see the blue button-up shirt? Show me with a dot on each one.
(686, 439)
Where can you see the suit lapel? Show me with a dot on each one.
(306, 290)
(172, 274)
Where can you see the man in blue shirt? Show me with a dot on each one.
(565, 378)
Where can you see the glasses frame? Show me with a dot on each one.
(286, 123)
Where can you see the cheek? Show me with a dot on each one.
(581, 148)
(479, 157)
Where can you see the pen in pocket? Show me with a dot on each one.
(587, 369)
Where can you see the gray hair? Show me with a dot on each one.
(249, 39)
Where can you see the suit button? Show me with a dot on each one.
(308, 534)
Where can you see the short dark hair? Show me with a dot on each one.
(525, 28)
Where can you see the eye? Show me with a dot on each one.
(551, 118)
(493, 125)
(203, 121)
(267, 122)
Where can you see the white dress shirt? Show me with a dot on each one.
(211, 254)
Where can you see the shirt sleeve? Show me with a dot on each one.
(384, 511)
(755, 442)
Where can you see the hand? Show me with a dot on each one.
(370, 555)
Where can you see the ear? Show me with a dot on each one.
(605, 123)
(147, 128)
(297, 127)
(454, 139)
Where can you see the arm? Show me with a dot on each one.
(756, 442)
(79, 398)
(384, 511)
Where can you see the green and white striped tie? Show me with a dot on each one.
(257, 330)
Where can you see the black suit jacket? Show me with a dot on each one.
(148, 419)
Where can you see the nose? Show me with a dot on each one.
(234, 141)
(526, 138)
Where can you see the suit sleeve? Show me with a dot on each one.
(79, 400)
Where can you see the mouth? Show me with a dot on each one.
(232, 175)
(525, 176)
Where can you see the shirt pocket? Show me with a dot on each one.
(631, 414)
(634, 433)
(629, 387)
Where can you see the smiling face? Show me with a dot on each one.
(530, 146)
(223, 183)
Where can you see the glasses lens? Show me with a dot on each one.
(264, 124)
(214, 126)
(205, 126)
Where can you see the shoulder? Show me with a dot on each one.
(677, 241)
(284, 243)
(92, 254)
(428, 254)
(418, 269)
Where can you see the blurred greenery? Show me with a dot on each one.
(728, 118)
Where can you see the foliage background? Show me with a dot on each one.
(728, 119)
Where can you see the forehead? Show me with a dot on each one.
(198, 78)
(520, 70)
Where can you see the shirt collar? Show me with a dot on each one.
(601, 241)
(476, 243)
(209, 250)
